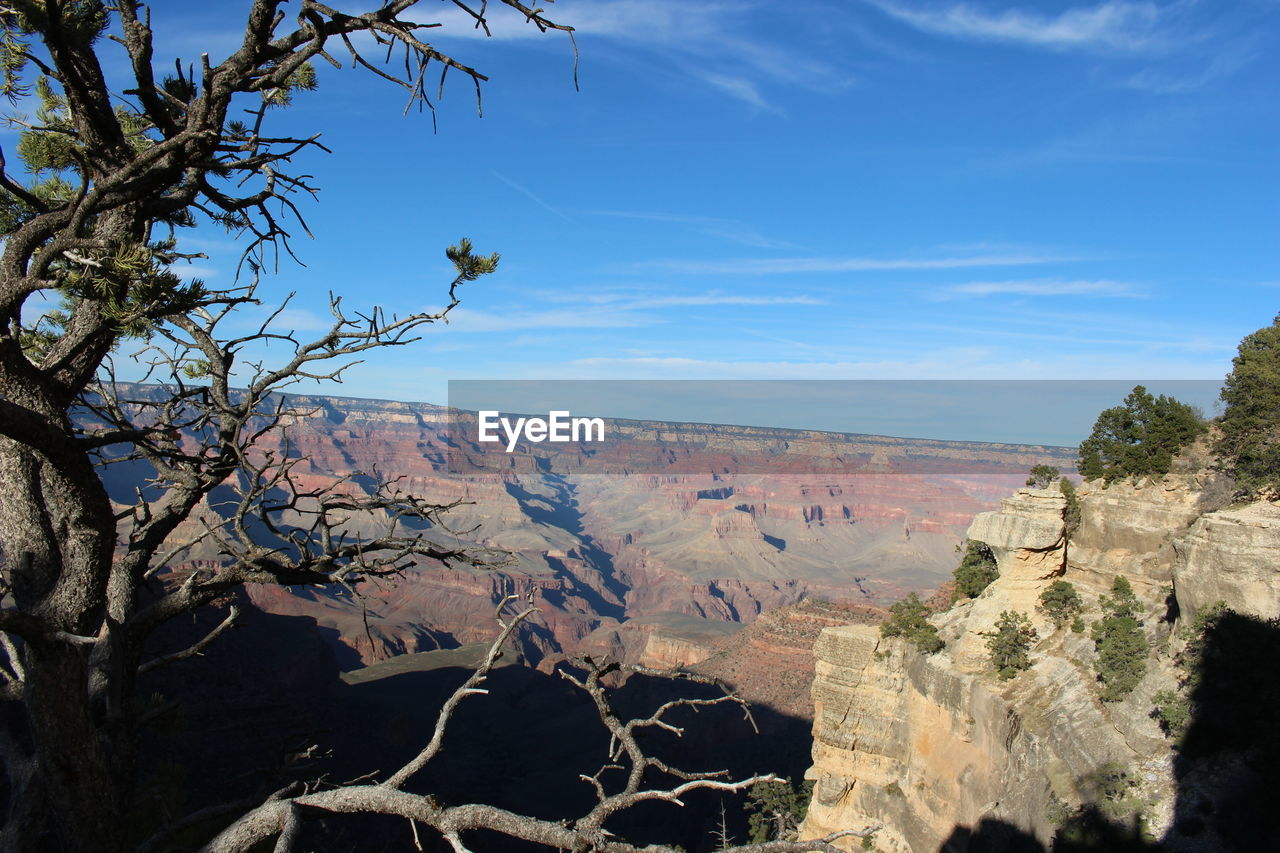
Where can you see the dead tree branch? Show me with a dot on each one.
(274, 818)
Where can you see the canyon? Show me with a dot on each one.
(774, 582)
(665, 533)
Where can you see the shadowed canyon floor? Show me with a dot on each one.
(271, 688)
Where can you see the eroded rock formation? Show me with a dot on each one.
(927, 745)
(853, 518)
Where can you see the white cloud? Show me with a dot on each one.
(783, 266)
(1116, 25)
(187, 271)
(702, 40)
(722, 299)
(960, 363)
(606, 311)
(632, 20)
(527, 192)
(967, 363)
(1042, 288)
(1166, 81)
(739, 87)
(727, 229)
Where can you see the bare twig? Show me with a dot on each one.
(195, 648)
(470, 687)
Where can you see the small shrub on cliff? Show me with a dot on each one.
(907, 620)
(1072, 514)
(976, 571)
(1057, 812)
(1173, 712)
(1122, 647)
(1042, 476)
(1122, 601)
(1010, 644)
(1138, 439)
(1250, 442)
(1060, 602)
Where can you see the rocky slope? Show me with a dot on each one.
(942, 753)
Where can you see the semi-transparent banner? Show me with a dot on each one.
(779, 426)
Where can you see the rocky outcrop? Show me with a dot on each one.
(920, 746)
(1130, 529)
(926, 745)
(1231, 556)
(1026, 536)
(664, 651)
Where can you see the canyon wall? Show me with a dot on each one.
(938, 751)
(691, 532)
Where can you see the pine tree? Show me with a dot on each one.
(1250, 440)
(1060, 602)
(775, 810)
(907, 619)
(1041, 476)
(1072, 514)
(977, 570)
(1010, 644)
(1138, 439)
(1121, 646)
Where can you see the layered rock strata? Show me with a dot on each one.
(928, 746)
(854, 518)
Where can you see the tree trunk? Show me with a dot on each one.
(83, 790)
(57, 532)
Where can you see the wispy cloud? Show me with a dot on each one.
(193, 271)
(722, 299)
(608, 310)
(954, 362)
(1041, 288)
(727, 229)
(784, 266)
(529, 193)
(474, 320)
(934, 367)
(738, 86)
(1228, 60)
(648, 297)
(706, 41)
(624, 19)
(1116, 25)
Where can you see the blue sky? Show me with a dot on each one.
(889, 189)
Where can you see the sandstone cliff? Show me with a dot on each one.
(931, 745)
